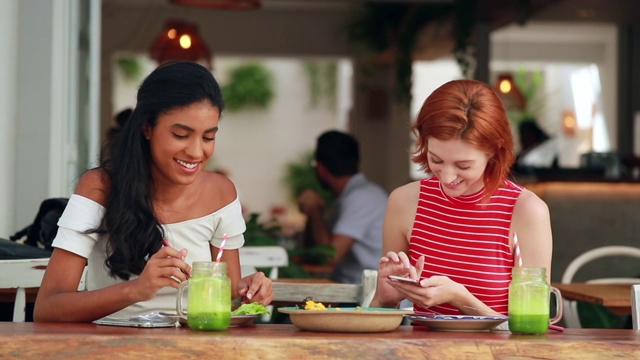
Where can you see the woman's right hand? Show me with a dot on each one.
(394, 264)
(164, 268)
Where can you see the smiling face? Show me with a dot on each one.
(458, 165)
(182, 141)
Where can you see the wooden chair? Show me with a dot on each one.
(21, 274)
(635, 306)
(296, 292)
(265, 257)
(570, 308)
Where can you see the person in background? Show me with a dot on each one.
(120, 119)
(151, 190)
(538, 150)
(354, 227)
(454, 230)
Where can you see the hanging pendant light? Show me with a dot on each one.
(221, 4)
(509, 93)
(180, 40)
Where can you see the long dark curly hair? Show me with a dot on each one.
(129, 220)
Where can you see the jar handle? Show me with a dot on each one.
(558, 316)
(179, 308)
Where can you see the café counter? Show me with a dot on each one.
(283, 341)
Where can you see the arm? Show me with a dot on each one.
(316, 230)
(58, 297)
(531, 221)
(59, 300)
(398, 221)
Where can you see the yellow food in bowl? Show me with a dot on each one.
(312, 305)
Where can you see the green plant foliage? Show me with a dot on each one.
(268, 234)
(300, 175)
(376, 28)
(130, 67)
(597, 316)
(250, 85)
(261, 234)
(530, 83)
(322, 82)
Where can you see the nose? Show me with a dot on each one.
(447, 175)
(194, 149)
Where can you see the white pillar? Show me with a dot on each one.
(8, 80)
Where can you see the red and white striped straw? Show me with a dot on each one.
(224, 240)
(516, 245)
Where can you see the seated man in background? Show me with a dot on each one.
(354, 224)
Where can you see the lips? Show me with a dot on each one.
(187, 165)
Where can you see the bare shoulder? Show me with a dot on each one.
(405, 197)
(530, 206)
(408, 192)
(94, 185)
(219, 187)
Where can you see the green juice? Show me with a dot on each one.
(209, 303)
(529, 323)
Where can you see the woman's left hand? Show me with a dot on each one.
(256, 287)
(432, 291)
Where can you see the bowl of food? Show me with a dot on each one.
(316, 317)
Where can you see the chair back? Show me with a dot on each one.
(21, 274)
(635, 306)
(571, 316)
(296, 292)
(265, 256)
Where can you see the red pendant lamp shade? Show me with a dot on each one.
(509, 93)
(180, 40)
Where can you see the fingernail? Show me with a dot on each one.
(249, 296)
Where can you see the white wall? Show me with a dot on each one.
(559, 49)
(255, 145)
(39, 99)
(8, 87)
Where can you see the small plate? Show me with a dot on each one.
(458, 322)
(236, 320)
(363, 320)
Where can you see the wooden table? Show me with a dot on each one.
(88, 341)
(615, 297)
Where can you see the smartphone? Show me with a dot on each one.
(404, 279)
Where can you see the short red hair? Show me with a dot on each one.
(471, 111)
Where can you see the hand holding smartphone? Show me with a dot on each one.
(404, 279)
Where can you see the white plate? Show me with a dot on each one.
(459, 322)
(363, 320)
(236, 320)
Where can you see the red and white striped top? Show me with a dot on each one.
(466, 240)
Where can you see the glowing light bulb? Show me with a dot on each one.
(185, 41)
(505, 86)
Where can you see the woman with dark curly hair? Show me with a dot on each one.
(151, 189)
(454, 230)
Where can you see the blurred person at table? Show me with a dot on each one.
(354, 223)
(151, 188)
(538, 149)
(454, 230)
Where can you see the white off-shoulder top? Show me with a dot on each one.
(195, 235)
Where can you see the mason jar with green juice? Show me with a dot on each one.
(209, 297)
(529, 301)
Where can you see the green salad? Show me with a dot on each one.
(254, 308)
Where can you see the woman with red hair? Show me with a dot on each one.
(454, 230)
